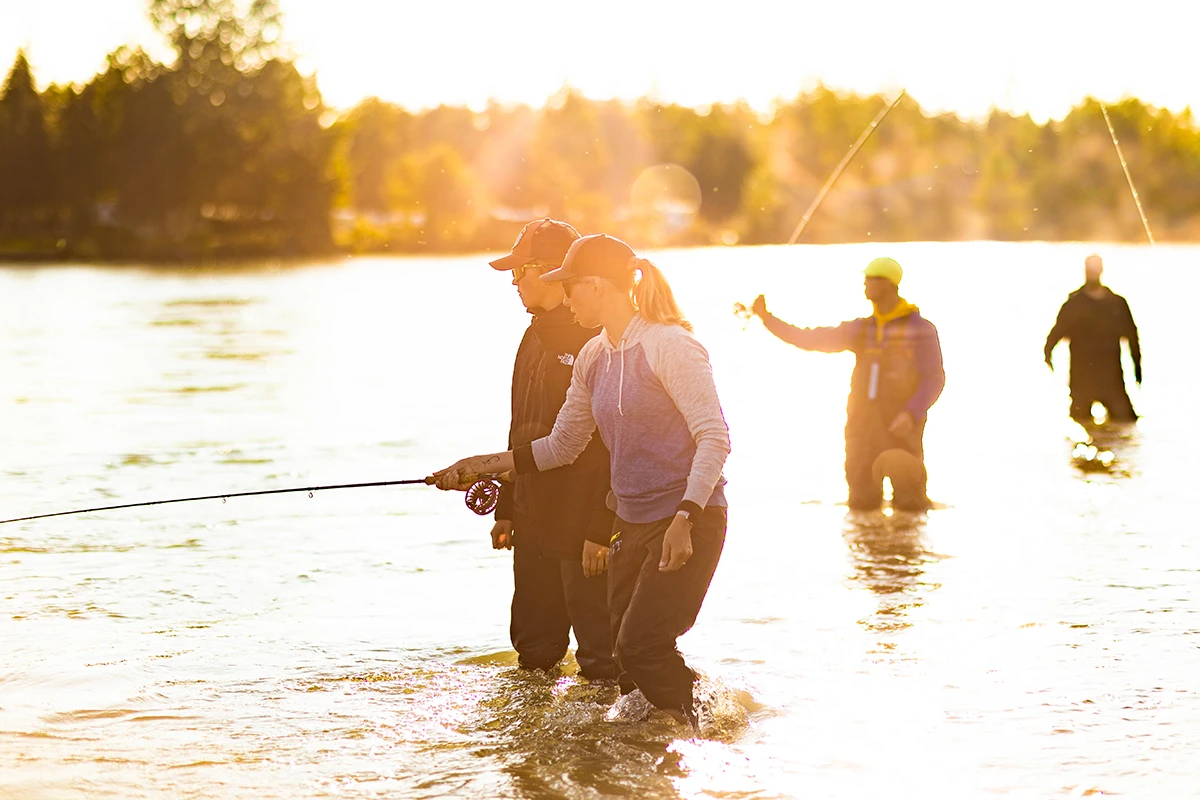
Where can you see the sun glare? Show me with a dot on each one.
(421, 55)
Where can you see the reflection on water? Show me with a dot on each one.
(1105, 448)
(889, 555)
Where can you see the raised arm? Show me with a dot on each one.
(823, 340)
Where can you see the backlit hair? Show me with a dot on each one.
(652, 295)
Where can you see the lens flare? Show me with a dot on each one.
(665, 198)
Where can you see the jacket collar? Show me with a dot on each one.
(556, 327)
(559, 315)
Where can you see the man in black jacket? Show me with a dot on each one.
(1095, 320)
(558, 522)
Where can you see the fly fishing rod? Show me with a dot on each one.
(1137, 201)
(741, 309)
(837, 171)
(481, 497)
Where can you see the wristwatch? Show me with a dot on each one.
(689, 511)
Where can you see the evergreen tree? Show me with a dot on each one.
(26, 167)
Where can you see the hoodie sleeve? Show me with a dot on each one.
(823, 340)
(682, 365)
(931, 375)
(573, 427)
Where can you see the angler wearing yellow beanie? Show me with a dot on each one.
(897, 377)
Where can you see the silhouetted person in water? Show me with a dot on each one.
(897, 376)
(1095, 320)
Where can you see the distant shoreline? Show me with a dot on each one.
(286, 260)
(227, 152)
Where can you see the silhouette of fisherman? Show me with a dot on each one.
(897, 376)
(1095, 320)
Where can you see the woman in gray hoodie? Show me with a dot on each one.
(646, 384)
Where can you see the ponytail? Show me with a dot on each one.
(653, 297)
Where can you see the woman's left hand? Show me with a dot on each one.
(677, 545)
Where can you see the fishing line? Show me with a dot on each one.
(837, 171)
(1137, 201)
(481, 497)
(741, 309)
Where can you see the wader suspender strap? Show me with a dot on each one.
(876, 349)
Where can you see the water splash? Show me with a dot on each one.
(722, 713)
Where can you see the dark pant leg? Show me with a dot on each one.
(662, 606)
(867, 438)
(1104, 387)
(1117, 403)
(909, 494)
(587, 607)
(624, 566)
(1087, 387)
(862, 448)
(1081, 405)
(540, 627)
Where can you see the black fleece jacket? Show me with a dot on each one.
(1095, 328)
(553, 512)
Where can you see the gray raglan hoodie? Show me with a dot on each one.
(654, 401)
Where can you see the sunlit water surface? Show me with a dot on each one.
(1036, 637)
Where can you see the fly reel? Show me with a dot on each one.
(483, 496)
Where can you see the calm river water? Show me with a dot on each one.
(1036, 637)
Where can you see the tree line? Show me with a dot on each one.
(229, 151)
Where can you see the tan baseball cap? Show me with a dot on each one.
(545, 240)
(599, 255)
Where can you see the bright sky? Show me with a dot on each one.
(1040, 56)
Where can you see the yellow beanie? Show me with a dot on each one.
(885, 268)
